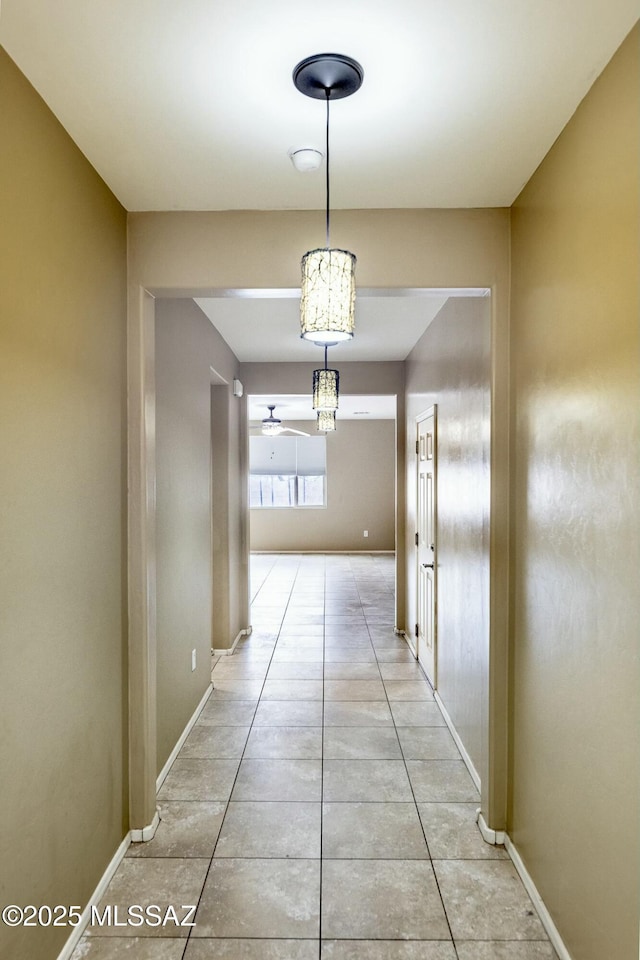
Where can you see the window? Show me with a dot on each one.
(287, 472)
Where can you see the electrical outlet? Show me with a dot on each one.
(193, 660)
(365, 533)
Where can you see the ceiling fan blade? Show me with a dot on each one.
(291, 430)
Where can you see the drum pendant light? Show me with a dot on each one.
(326, 420)
(326, 386)
(328, 289)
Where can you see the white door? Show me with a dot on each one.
(425, 629)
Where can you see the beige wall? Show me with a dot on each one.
(187, 348)
(193, 252)
(62, 489)
(574, 807)
(450, 366)
(360, 488)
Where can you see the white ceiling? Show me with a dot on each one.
(190, 105)
(291, 408)
(267, 329)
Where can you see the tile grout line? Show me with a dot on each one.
(361, 581)
(324, 647)
(322, 744)
(415, 803)
(226, 809)
(323, 733)
(323, 717)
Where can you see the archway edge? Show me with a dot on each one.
(187, 254)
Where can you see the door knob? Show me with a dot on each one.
(430, 565)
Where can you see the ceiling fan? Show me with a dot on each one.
(272, 426)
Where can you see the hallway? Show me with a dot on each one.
(320, 798)
(124, 447)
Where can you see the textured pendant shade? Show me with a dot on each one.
(326, 420)
(326, 384)
(328, 295)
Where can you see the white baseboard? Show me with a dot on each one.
(185, 733)
(500, 837)
(545, 917)
(494, 837)
(94, 899)
(227, 651)
(405, 636)
(147, 833)
(459, 744)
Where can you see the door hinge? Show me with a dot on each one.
(417, 446)
(416, 631)
(417, 539)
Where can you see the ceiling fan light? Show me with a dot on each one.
(271, 425)
(328, 295)
(271, 429)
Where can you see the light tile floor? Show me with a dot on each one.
(320, 808)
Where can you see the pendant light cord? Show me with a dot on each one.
(326, 347)
(328, 95)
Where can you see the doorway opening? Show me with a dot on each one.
(408, 379)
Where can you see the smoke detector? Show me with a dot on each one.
(306, 159)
